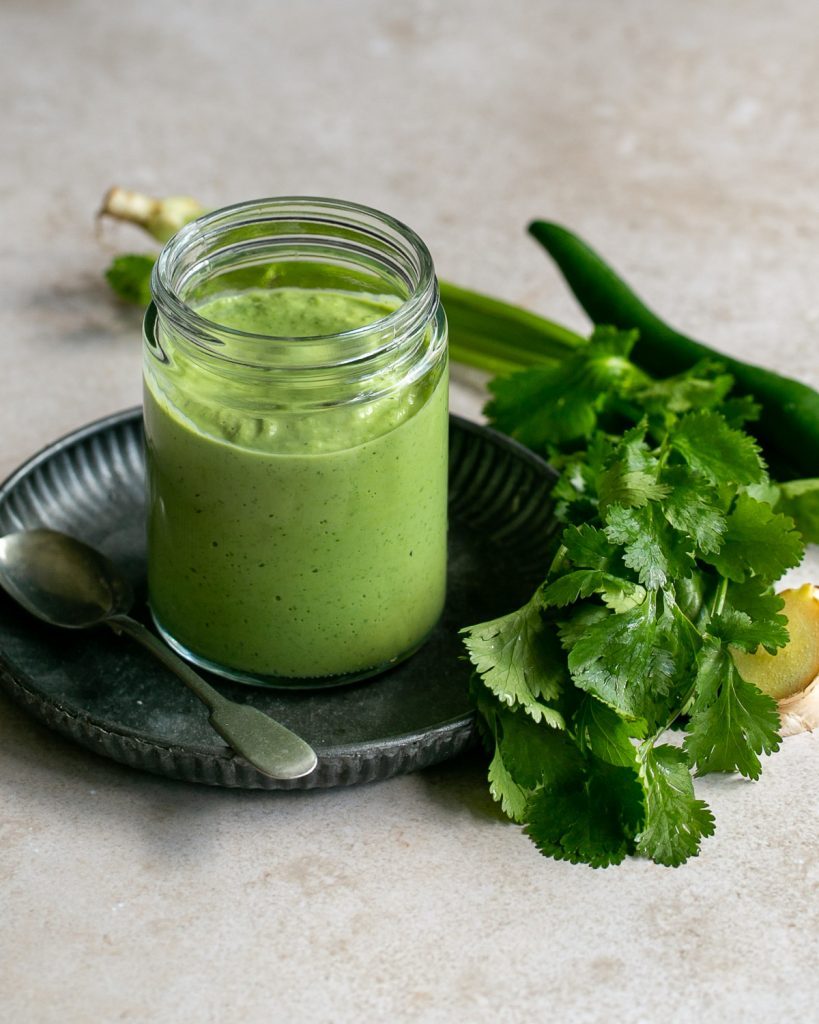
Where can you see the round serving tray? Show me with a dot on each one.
(109, 695)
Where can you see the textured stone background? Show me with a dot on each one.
(682, 140)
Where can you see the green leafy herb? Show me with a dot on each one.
(590, 819)
(676, 820)
(666, 562)
(800, 500)
(757, 542)
(561, 403)
(732, 721)
(723, 455)
(519, 661)
(130, 277)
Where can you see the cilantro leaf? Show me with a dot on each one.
(605, 360)
(721, 453)
(739, 410)
(585, 582)
(534, 755)
(525, 754)
(766, 491)
(602, 731)
(800, 500)
(518, 659)
(650, 546)
(628, 660)
(693, 507)
(631, 478)
(130, 277)
(733, 721)
(550, 405)
(737, 628)
(588, 547)
(629, 488)
(575, 492)
(703, 386)
(572, 630)
(676, 821)
(757, 542)
(541, 406)
(593, 821)
(505, 790)
(763, 606)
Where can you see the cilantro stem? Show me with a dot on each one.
(558, 560)
(719, 597)
(682, 615)
(663, 453)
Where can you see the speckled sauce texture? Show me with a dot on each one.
(301, 544)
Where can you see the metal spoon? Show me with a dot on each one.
(67, 583)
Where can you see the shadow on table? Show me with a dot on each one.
(461, 784)
(41, 768)
(81, 309)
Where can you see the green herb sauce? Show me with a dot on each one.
(296, 545)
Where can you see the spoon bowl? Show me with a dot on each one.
(67, 583)
(61, 580)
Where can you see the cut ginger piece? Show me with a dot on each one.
(794, 667)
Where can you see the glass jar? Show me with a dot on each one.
(296, 442)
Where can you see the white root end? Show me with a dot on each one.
(123, 204)
(161, 218)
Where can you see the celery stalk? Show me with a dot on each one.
(498, 337)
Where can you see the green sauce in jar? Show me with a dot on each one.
(309, 547)
(296, 441)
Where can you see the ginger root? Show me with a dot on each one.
(791, 676)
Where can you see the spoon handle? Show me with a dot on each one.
(261, 740)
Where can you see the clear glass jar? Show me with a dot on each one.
(296, 441)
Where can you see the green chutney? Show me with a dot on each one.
(296, 544)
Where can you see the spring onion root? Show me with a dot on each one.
(161, 218)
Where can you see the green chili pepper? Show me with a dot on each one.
(788, 428)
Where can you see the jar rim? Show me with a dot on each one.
(417, 306)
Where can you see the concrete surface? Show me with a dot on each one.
(681, 139)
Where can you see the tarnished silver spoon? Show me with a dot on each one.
(67, 583)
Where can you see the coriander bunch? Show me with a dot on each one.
(667, 560)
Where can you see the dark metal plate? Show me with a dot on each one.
(112, 697)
